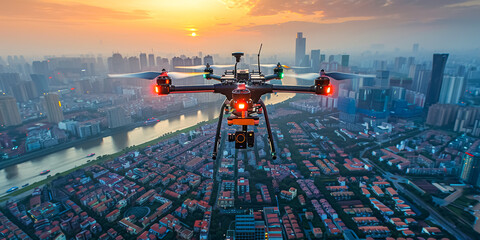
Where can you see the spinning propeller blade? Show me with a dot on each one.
(144, 75)
(201, 67)
(268, 65)
(180, 75)
(343, 76)
(153, 75)
(331, 75)
(306, 76)
(271, 65)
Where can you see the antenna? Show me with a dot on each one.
(259, 57)
(237, 56)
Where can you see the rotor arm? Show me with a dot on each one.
(209, 76)
(192, 89)
(293, 89)
(271, 77)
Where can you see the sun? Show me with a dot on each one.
(194, 34)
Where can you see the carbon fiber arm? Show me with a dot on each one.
(293, 89)
(192, 89)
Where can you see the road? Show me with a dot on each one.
(444, 223)
(447, 225)
(454, 196)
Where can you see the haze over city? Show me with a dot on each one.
(50, 27)
(240, 119)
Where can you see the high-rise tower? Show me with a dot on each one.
(435, 85)
(452, 89)
(143, 61)
(315, 59)
(300, 48)
(470, 168)
(54, 108)
(9, 115)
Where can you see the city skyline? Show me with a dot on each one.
(128, 120)
(49, 27)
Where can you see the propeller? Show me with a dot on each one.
(332, 75)
(180, 75)
(144, 75)
(201, 67)
(153, 75)
(272, 65)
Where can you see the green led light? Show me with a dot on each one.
(204, 75)
(281, 75)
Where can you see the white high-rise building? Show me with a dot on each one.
(452, 89)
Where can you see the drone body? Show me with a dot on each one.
(243, 91)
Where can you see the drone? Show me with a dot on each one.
(243, 91)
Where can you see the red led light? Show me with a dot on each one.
(329, 89)
(469, 154)
(157, 89)
(241, 106)
(72, 88)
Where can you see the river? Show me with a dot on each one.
(63, 160)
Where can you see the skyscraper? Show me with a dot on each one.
(345, 60)
(400, 63)
(208, 59)
(9, 114)
(421, 80)
(116, 64)
(41, 83)
(415, 47)
(20, 92)
(410, 61)
(54, 108)
(331, 58)
(442, 114)
(40, 67)
(143, 61)
(151, 60)
(374, 99)
(134, 64)
(383, 79)
(322, 57)
(315, 58)
(468, 120)
(306, 61)
(452, 89)
(435, 85)
(300, 48)
(470, 168)
(197, 61)
(8, 80)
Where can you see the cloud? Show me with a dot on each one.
(442, 28)
(406, 10)
(38, 10)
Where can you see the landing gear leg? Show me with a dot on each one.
(219, 127)
(269, 130)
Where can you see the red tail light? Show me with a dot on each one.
(157, 89)
(241, 106)
(329, 89)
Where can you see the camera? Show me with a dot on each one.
(242, 139)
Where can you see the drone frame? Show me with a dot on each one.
(232, 82)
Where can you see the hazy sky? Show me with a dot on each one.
(41, 27)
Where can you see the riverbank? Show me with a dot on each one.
(103, 134)
(100, 159)
(145, 136)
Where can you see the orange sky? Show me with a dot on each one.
(37, 27)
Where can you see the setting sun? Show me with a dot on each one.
(194, 34)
